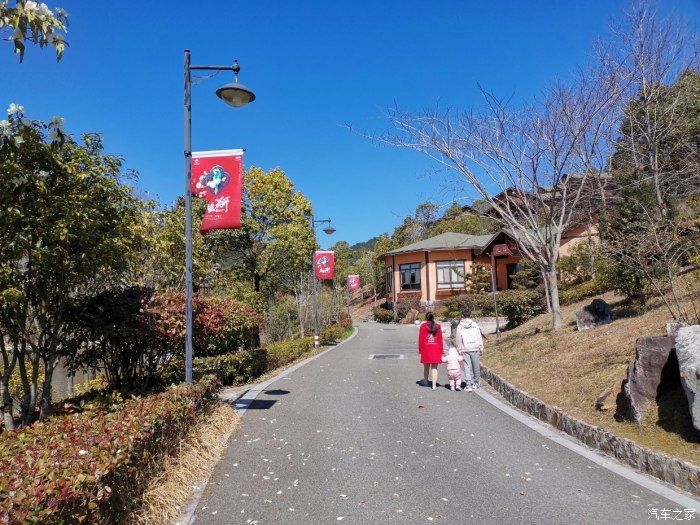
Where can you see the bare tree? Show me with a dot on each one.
(655, 53)
(656, 163)
(538, 157)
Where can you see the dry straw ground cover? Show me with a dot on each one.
(570, 369)
(167, 493)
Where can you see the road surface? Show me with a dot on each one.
(345, 439)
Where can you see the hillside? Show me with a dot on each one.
(571, 368)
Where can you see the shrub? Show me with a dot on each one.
(528, 277)
(331, 335)
(281, 319)
(406, 304)
(221, 324)
(282, 353)
(128, 333)
(582, 291)
(92, 467)
(345, 321)
(520, 305)
(481, 305)
(239, 367)
(382, 315)
(230, 369)
(115, 332)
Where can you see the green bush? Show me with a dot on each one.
(528, 277)
(582, 291)
(447, 313)
(520, 305)
(481, 305)
(91, 467)
(230, 369)
(127, 333)
(284, 352)
(239, 367)
(331, 335)
(382, 315)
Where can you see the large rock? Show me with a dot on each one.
(595, 314)
(607, 399)
(645, 376)
(411, 316)
(688, 352)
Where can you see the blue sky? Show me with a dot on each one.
(314, 67)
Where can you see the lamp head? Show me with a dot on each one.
(235, 94)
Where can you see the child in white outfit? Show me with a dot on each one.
(453, 360)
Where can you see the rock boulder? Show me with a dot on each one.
(688, 352)
(411, 316)
(644, 376)
(607, 399)
(595, 314)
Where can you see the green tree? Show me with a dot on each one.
(67, 229)
(275, 240)
(31, 21)
(162, 265)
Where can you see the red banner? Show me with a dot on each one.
(353, 283)
(217, 177)
(324, 264)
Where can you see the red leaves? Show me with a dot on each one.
(70, 468)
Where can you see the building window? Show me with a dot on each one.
(389, 278)
(410, 276)
(450, 274)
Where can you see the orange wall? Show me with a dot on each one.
(427, 270)
(576, 236)
(501, 274)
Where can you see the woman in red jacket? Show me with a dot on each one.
(430, 348)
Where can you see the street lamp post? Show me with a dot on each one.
(329, 230)
(235, 95)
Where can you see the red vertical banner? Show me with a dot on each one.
(217, 177)
(353, 283)
(324, 264)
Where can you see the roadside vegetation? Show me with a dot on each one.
(570, 369)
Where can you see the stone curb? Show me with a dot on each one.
(667, 468)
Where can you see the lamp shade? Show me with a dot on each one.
(235, 94)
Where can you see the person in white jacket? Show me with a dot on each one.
(470, 343)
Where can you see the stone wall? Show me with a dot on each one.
(667, 468)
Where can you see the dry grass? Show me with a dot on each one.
(168, 492)
(570, 369)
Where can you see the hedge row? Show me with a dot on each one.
(91, 467)
(383, 315)
(517, 305)
(240, 367)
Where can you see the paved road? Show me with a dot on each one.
(351, 440)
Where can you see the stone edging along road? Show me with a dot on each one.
(667, 468)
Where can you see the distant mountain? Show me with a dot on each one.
(365, 246)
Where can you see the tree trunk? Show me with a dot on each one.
(46, 389)
(554, 297)
(25, 404)
(7, 400)
(546, 292)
